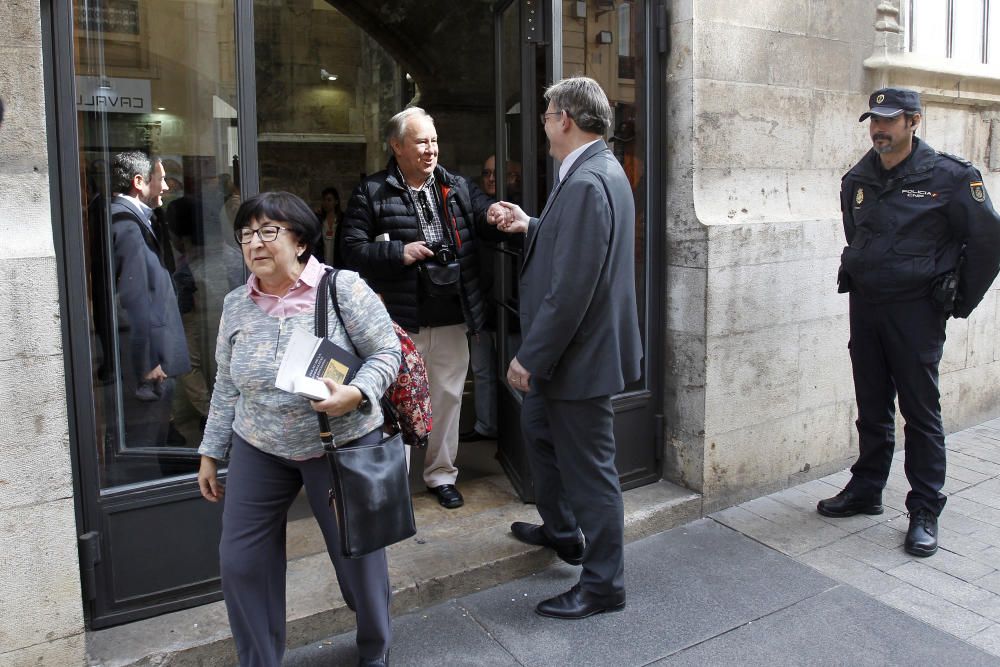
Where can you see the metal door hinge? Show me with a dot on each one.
(662, 29)
(90, 556)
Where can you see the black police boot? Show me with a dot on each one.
(921, 538)
(848, 503)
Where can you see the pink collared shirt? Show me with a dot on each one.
(299, 297)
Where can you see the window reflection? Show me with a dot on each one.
(156, 80)
(606, 42)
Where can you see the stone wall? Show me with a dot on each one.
(763, 101)
(39, 574)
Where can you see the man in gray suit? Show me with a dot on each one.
(581, 345)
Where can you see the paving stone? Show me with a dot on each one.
(988, 640)
(889, 534)
(974, 507)
(441, 635)
(961, 523)
(963, 545)
(982, 495)
(935, 611)
(709, 580)
(843, 568)
(872, 553)
(840, 626)
(818, 489)
(964, 474)
(990, 582)
(957, 565)
(797, 533)
(952, 589)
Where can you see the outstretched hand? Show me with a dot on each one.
(507, 217)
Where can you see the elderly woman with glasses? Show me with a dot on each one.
(271, 437)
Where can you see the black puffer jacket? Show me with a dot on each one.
(380, 205)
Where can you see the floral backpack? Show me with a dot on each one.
(406, 404)
(409, 397)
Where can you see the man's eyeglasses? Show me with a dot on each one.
(543, 116)
(266, 233)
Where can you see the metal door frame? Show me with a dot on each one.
(655, 48)
(93, 506)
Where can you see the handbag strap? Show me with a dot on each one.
(328, 284)
(320, 324)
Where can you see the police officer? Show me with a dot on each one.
(923, 243)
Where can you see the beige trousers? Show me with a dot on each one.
(446, 355)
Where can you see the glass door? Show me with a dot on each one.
(609, 41)
(148, 256)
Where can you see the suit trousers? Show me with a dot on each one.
(446, 354)
(571, 449)
(260, 488)
(896, 348)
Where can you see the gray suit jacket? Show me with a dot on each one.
(577, 299)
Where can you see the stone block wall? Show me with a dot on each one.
(40, 600)
(763, 102)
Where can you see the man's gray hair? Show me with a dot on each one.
(584, 101)
(127, 165)
(396, 127)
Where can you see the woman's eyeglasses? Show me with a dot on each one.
(266, 233)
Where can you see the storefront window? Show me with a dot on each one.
(156, 91)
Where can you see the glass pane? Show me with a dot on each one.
(607, 43)
(929, 27)
(156, 89)
(967, 31)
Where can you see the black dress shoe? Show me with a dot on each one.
(448, 496)
(374, 662)
(578, 603)
(921, 538)
(531, 533)
(847, 503)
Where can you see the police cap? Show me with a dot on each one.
(890, 102)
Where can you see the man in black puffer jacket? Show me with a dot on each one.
(409, 231)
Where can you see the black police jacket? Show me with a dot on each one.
(905, 232)
(381, 205)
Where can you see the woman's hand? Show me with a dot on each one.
(212, 489)
(343, 399)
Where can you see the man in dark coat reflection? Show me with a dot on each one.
(152, 343)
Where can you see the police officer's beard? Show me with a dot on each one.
(882, 148)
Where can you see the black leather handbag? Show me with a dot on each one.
(370, 492)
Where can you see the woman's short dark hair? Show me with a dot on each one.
(282, 207)
(330, 191)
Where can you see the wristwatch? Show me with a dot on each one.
(365, 405)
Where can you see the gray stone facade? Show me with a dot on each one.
(763, 101)
(40, 598)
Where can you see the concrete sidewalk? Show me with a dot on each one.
(768, 582)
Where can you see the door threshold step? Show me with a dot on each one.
(454, 553)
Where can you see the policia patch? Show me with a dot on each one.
(978, 192)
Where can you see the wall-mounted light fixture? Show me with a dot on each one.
(161, 108)
(580, 9)
(604, 37)
(326, 76)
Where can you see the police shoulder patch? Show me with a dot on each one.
(859, 196)
(978, 191)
